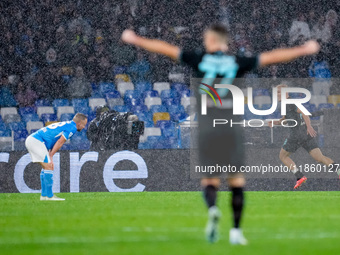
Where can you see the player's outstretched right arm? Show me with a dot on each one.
(152, 45)
(288, 54)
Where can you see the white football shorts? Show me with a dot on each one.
(37, 150)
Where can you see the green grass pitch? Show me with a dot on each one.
(167, 223)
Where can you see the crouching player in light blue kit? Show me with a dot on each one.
(45, 142)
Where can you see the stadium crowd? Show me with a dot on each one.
(56, 49)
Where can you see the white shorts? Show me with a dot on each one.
(37, 150)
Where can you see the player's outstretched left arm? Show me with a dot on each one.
(152, 45)
(284, 55)
(310, 130)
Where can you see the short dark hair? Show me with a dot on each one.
(221, 30)
(79, 117)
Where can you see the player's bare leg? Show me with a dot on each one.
(287, 161)
(236, 185)
(320, 158)
(210, 188)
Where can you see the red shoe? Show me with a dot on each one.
(299, 182)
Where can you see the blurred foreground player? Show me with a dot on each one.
(45, 142)
(302, 135)
(214, 62)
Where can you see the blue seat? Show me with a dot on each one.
(162, 124)
(185, 93)
(274, 115)
(261, 92)
(91, 116)
(144, 116)
(296, 95)
(12, 118)
(129, 94)
(157, 108)
(168, 128)
(30, 117)
(150, 93)
(42, 102)
(168, 93)
(178, 116)
(65, 147)
(148, 123)
(161, 142)
(178, 86)
(112, 94)
(153, 141)
(121, 108)
(66, 116)
(143, 86)
(248, 115)
(135, 101)
(139, 108)
(171, 101)
(20, 135)
(60, 102)
(83, 109)
(80, 145)
(264, 107)
(144, 146)
(106, 87)
(33, 131)
(5, 132)
(16, 126)
(45, 117)
(79, 102)
(310, 107)
(176, 109)
(79, 141)
(26, 110)
(96, 94)
(326, 106)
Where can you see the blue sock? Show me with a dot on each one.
(43, 186)
(48, 179)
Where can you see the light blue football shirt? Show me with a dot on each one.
(51, 134)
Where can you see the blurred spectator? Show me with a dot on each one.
(51, 56)
(299, 29)
(319, 68)
(25, 96)
(79, 25)
(140, 69)
(79, 86)
(321, 31)
(6, 96)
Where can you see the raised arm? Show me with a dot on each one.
(152, 45)
(288, 54)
